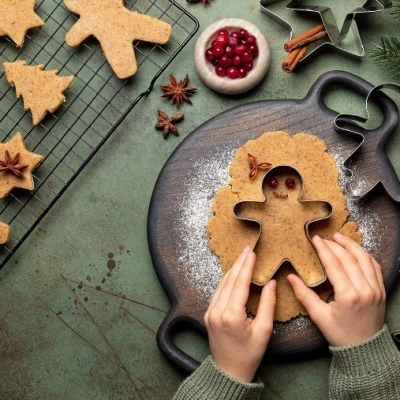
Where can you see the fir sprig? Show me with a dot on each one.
(387, 54)
(387, 51)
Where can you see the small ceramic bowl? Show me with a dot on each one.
(224, 84)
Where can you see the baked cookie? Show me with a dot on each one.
(16, 165)
(228, 235)
(4, 232)
(115, 27)
(42, 91)
(16, 18)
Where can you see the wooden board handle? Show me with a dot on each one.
(173, 322)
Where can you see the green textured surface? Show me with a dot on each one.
(96, 234)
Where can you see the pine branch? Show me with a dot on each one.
(387, 54)
(396, 11)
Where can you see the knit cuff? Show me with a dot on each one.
(209, 382)
(358, 359)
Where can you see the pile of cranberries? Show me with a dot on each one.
(232, 54)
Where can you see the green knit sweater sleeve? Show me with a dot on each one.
(209, 382)
(366, 371)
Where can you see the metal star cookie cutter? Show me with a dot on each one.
(306, 225)
(372, 141)
(336, 37)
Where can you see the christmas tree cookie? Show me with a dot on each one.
(42, 91)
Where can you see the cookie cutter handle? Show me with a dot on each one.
(362, 87)
(172, 323)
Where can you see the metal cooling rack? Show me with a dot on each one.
(97, 102)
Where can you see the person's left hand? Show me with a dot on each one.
(238, 343)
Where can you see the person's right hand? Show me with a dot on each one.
(358, 309)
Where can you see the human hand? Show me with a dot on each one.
(238, 343)
(358, 309)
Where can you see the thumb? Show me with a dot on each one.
(307, 297)
(266, 308)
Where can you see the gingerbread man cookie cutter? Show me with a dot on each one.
(372, 142)
(238, 205)
(335, 36)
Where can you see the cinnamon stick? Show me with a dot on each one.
(313, 31)
(313, 38)
(293, 58)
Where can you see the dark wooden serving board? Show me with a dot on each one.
(238, 125)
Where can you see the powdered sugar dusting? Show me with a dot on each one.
(200, 264)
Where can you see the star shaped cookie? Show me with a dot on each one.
(16, 18)
(4, 232)
(115, 27)
(15, 156)
(283, 220)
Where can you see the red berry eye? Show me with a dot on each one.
(290, 183)
(273, 183)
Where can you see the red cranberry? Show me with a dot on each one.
(253, 49)
(225, 61)
(229, 51)
(218, 51)
(223, 32)
(243, 32)
(251, 39)
(233, 41)
(232, 72)
(290, 183)
(220, 71)
(248, 66)
(273, 183)
(237, 61)
(247, 57)
(235, 34)
(221, 40)
(240, 49)
(242, 72)
(209, 54)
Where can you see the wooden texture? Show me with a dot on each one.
(248, 122)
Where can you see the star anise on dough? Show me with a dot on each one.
(11, 164)
(167, 124)
(178, 92)
(254, 166)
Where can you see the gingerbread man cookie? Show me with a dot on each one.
(16, 18)
(283, 220)
(16, 165)
(115, 27)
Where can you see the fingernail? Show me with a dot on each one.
(272, 284)
(338, 235)
(247, 250)
(316, 238)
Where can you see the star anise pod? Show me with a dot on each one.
(178, 92)
(11, 164)
(167, 124)
(254, 166)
